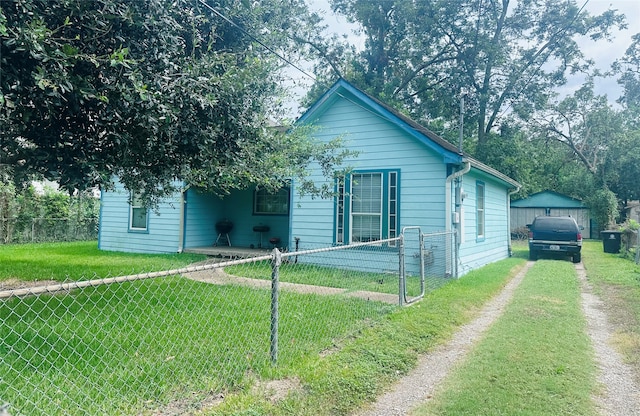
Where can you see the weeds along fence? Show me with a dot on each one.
(16, 230)
(175, 341)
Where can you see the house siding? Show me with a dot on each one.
(161, 236)
(385, 142)
(381, 146)
(200, 218)
(476, 252)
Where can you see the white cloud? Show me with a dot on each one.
(603, 52)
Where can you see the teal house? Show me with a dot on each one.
(402, 175)
(192, 220)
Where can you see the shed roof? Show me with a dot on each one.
(548, 199)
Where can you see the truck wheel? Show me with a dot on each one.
(533, 255)
(577, 257)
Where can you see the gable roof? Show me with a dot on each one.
(342, 89)
(548, 199)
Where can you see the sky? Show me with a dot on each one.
(603, 53)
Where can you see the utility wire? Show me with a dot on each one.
(226, 19)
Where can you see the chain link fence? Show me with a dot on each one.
(39, 230)
(180, 340)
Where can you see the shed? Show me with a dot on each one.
(524, 211)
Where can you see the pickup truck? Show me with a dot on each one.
(558, 236)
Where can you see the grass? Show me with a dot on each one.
(617, 280)
(362, 367)
(80, 261)
(141, 346)
(170, 343)
(334, 277)
(535, 360)
(138, 346)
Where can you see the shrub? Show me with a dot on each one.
(629, 238)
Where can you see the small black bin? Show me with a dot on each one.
(611, 241)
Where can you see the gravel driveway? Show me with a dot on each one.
(619, 395)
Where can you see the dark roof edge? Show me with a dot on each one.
(493, 172)
(421, 130)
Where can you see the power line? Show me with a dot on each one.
(226, 19)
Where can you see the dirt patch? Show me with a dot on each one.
(189, 406)
(271, 390)
(276, 390)
(219, 277)
(13, 284)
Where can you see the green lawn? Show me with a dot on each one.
(618, 281)
(121, 349)
(167, 342)
(80, 261)
(535, 360)
(335, 277)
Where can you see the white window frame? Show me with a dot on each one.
(481, 202)
(389, 206)
(374, 198)
(135, 205)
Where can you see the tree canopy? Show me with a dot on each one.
(508, 60)
(151, 91)
(506, 57)
(158, 90)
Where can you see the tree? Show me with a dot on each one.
(603, 141)
(629, 69)
(604, 207)
(507, 57)
(585, 123)
(622, 166)
(151, 91)
(624, 160)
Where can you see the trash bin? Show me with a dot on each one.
(611, 241)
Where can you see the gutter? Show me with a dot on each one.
(448, 214)
(511, 192)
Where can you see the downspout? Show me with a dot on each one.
(511, 192)
(183, 202)
(449, 219)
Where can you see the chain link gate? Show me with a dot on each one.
(426, 262)
(411, 252)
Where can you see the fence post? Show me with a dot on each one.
(422, 277)
(276, 261)
(401, 283)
